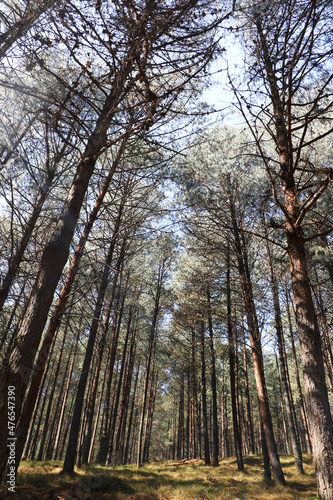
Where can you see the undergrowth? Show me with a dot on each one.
(185, 480)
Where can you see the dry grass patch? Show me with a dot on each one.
(183, 480)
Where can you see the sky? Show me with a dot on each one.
(219, 94)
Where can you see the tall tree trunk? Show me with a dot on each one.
(16, 371)
(249, 422)
(51, 397)
(64, 395)
(98, 412)
(326, 341)
(59, 309)
(66, 429)
(180, 436)
(193, 398)
(196, 407)
(93, 392)
(27, 444)
(232, 366)
(224, 415)
(320, 418)
(204, 394)
(48, 381)
(150, 414)
(76, 419)
(213, 381)
(151, 344)
(285, 445)
(116, 322)
(265, 454)
(298, 380)
(257, 357)
(292, 424)
(120, 438)
(120, 381)
(130, 422)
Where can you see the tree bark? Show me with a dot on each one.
(265, 454)
(320, 419)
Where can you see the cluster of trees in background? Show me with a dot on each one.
(166, 283)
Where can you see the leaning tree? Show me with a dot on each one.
(124, 65)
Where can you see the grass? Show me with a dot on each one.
(190, 480)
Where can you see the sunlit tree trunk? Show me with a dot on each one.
(257, 357)
(292, 424)
(320, 419)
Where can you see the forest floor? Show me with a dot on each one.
(184, 480)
